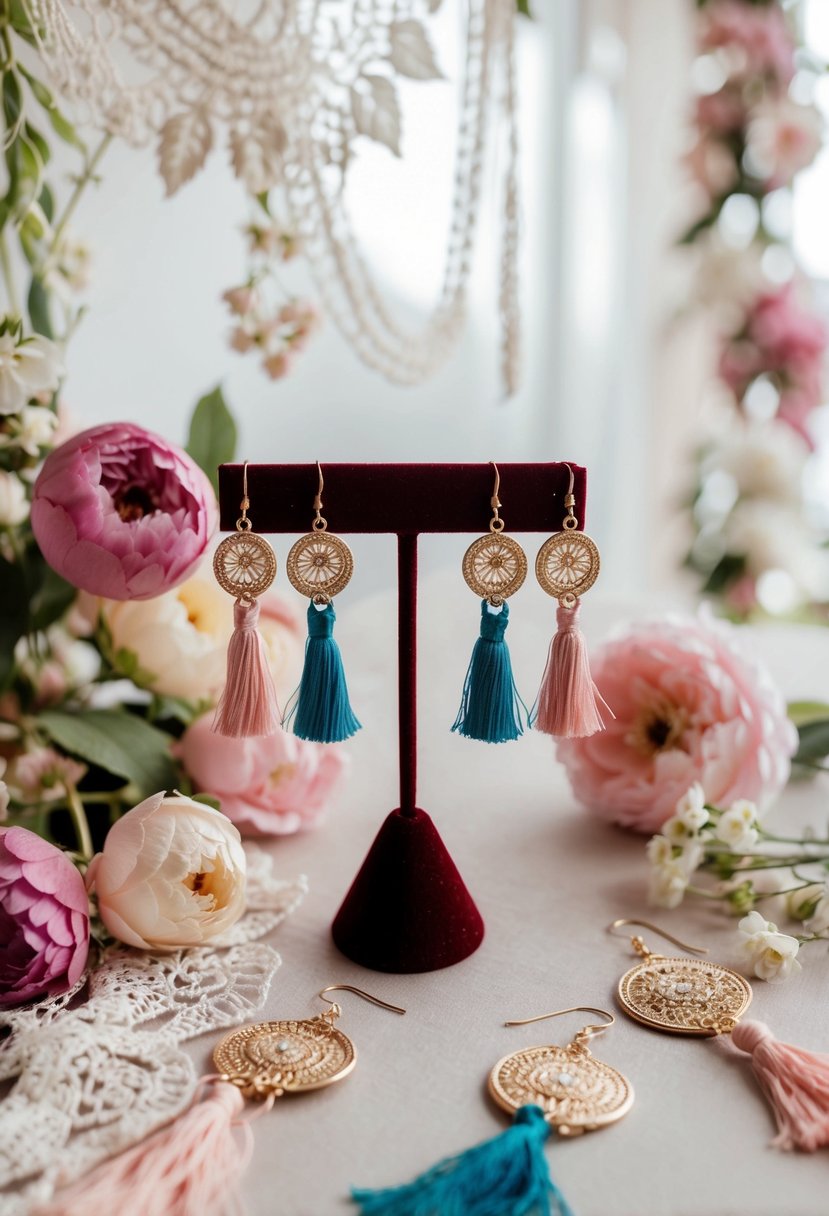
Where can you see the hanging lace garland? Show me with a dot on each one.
(97, 1069)
(295, 83)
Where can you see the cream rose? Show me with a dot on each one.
(172, 873)
(180, 639)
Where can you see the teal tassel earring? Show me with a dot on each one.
(319, 566)
(494, 566)
(544, 1088)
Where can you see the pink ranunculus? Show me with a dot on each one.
(268, 786)
(758, 36)
(691, 705)
(119, 512)
(44, 919)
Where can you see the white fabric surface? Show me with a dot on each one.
(548, 879)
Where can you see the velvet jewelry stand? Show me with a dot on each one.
(408, 908)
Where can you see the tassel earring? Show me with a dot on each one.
(544, 1088)
(319, 566)
(245, 566)
(193, 1164)
(494, 566)
(568, 702)
(695, 997)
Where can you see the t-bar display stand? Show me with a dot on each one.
(408, 909)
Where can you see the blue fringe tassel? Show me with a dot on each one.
(322, 712)
(490, 707)
(506, 1176)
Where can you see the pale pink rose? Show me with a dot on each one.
(122, 513)
(711, 164)
(691, 704)
(783, 138)
(268, 786)
(44, 919)
(757, 35)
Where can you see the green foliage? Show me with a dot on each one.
(814, 742)
(119, 742)
(212, 438)
(804, 712)
(51, 596)
(14, 615)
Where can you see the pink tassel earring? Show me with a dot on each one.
(568, 704)
(693, 996)
(245, 566)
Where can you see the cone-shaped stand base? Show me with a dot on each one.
(408, 909)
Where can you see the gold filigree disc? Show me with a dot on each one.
(567, 564)
(684, 995)
(244, 565)
(577, 1092)
(320, 565)
(285, 1057)
(494, 566)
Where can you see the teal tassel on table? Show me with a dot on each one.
(491, 707)
(322, 712)
(505, 1176)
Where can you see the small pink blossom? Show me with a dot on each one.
(120, 512)
(262, 238)
(691, 705)
(783, 138)
(279, 364)
(44, 919)
(757, 35)
(42, 775)
(241, 300)
(241, 340)
(723, 112)
(268, 786)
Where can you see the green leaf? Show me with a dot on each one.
(47, 203)
(60, 124)
(814, 741)
(212, 438)
(117, 742)
(125, 662)
(51, 600)
(37, 304)
(727, 570)
(803, 712)
(14, 615)
(524, 8)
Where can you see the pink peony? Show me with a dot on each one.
(121, 513)
(44, 919)
(690, 705)
(268, 786)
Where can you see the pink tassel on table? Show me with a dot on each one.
(568, 701)
(796, 1083)
(188, 1168)
(248, 706)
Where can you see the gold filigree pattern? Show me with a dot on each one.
(244, 565)
(684, 995)
(320, 566)
(494, 566)
(567, 564)
(285, 1057)
(577, 1092)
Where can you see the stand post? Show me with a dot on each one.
(407, 669)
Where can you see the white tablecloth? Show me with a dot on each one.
(548, 879)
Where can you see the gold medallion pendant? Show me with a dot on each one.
(567, 565)
(244, 565)
(684, 995)
(494, 567)
(576, 1092)
(285, 1057)
(320, 565)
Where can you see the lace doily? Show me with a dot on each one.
(295, 84)
(97, 1069)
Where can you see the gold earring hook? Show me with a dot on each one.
(496, 524)
(638, 943)
(570, 520)
(586, 1033)
(320, 523)
(243, 524)
(373, 1000)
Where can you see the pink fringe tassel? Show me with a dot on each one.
(248, 706)
(188, 1168)
(568, 701)
(796, 1083)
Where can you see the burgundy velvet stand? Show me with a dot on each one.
(408, 908)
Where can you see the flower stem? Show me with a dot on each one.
(8, 275)
(79, 822)
(75, 197)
